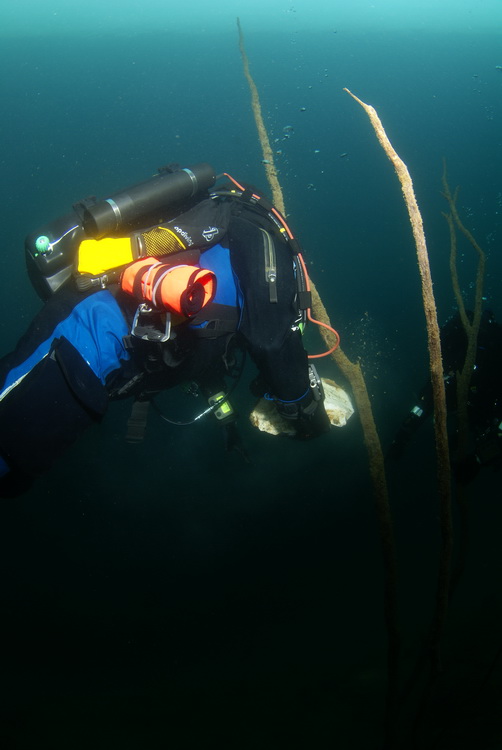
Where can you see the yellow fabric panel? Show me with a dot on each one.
(95, 257)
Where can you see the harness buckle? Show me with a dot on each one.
(144, 324)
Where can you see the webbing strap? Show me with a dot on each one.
(136, 424)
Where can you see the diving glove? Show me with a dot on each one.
(308, 413)
(308, 416)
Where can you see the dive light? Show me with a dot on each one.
(122, 209)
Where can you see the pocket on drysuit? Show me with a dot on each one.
(49, 409)
(81, 380)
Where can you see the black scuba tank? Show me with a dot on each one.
(120, 211)
(51, 250)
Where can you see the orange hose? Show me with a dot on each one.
(304, 267)
(318, 322)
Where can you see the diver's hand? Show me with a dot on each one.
(308, 417)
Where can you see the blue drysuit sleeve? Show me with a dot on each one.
(94, 325)
(53, 383)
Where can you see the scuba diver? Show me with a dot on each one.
(485, 396)
(160, 285)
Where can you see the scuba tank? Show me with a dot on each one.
(51, 251)
(120, 212)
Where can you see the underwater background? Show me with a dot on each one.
(169, 595)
